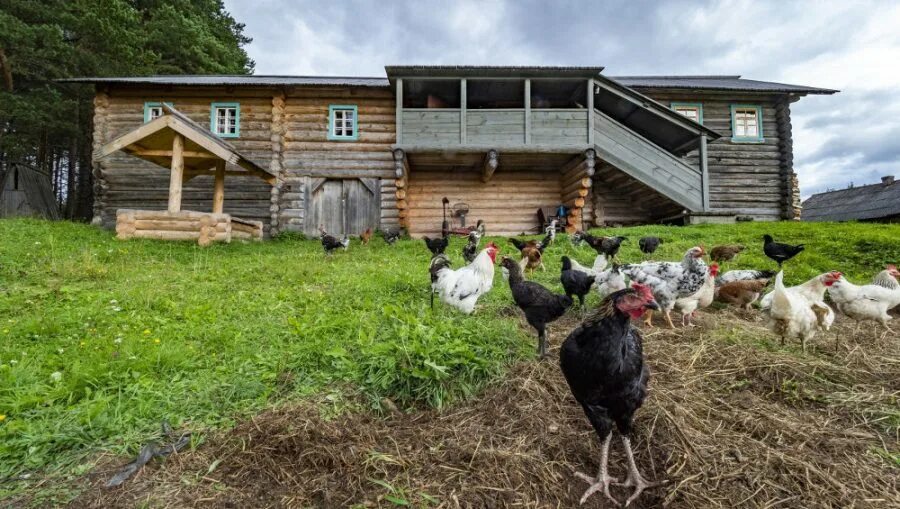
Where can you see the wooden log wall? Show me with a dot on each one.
(745, 178)
(619, 200)
(575, 185)
(277, 162)
(101, 136)
(126, 182)
(791, 199)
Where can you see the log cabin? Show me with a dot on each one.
(500, 142)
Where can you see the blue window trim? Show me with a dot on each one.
(699, 107)
(153, 104)
(237, 119)
(759, 122)
(331, 135)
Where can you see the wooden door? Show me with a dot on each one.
(342, 206)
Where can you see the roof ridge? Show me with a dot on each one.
(680, 76)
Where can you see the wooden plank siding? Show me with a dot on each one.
(745, 178)
(431, 127)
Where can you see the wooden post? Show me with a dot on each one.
(399, 98)
(489, 165)
(704, 172)
(219, 188)
(590, 115)
(462, 111)
(177, 173)
(528, 112)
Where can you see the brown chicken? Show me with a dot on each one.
(532, 258)
(366, 236)
(741, 293)
(727, 253)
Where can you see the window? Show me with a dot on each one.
(153, 110)
(225, 119)
(342, 122)
(693, 111)
(746, 123)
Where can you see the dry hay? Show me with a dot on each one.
(729, 423)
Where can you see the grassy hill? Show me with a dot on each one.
(100, 339)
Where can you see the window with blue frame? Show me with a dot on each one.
(225, 119)
(343, 122)
(153, 110)
(693, 111)
(746, 123)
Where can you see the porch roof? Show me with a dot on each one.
(490, 71)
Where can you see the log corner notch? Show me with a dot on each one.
(489, 165)
(401, 172)
(576, 184)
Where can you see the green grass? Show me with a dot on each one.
(101, 339)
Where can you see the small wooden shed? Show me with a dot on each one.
(175, 141)
(26, 191)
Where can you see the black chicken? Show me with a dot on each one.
(390, 236)
(603, 362)
(331, 243)
(436, 246)
(540, 305)
(779, 252)
(470, 250)
(546, 241)
(575, 282)
(577, 238)
(606, 245)
(648, 245)
(522, 244)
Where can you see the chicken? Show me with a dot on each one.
(470, 250)
(366, 236)
(792, 314)
(649, 245)
(603, 363)
(577, 238)
(436, 246)
(702, 298)
(780, 252)
(722, 254)
(610, 281)
(606, 245)
(670, 281)
(462, 288)
(550, 231)
(481, 228)
(864, 303)
(532, 258)
(575, 282)
(540, 305)
(744, 275)
(331, 243)
(888, 278)
(522, 244)
(600, 264)
(741, 293)
(391, 236)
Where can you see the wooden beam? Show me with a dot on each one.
(590, 105)
(219, 188)
(188, 154)
(489, 165)
(401, 163)
(462, 111)
(590, 162)
(528, 112)
(175, 182)
(399, 120)
(704, 172)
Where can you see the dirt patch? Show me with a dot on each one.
(729, 422)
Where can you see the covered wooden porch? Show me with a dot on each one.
(176, 142)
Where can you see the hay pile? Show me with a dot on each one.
(729, 422)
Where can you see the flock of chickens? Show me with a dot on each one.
(602, 359)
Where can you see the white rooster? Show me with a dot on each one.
(799, 311)
(699, 300)
(670, 281)
(461, 288)
(867, 302)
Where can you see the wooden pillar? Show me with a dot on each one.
(704, 172)
(462, 111)
(590, 115)
(528, 112)
(399, 119)
(219, 188)
(175, 181)
(489, 165)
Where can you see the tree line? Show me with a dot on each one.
(48, 124)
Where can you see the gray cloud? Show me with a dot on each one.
(845, 45)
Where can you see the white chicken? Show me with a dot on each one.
(461, 288)
(670, 281)
(699, 300)
(610, 281)
(743, 275)
(799, 311)
(867, 302)
(600, 263)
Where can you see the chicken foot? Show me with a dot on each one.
(603, 480)
(635, 479)
(542, 344)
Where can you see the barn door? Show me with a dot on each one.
(343, 206)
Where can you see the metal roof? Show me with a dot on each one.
(856, 203)
(238, 80)
(519, 71)
(717, 82)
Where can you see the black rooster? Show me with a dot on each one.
(779, 252)
(522, 244)
(330, 243)
(603, 362)
(575, 282)
(390, 236)
(606, 245)
(470, 250)
(436, 246)
(540, 305)
(649, 245)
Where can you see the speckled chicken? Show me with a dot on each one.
(670, 281)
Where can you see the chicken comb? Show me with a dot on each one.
(890, 266)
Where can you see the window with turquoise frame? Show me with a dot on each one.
(225, 119)
(693, 111)
(746, 123)
(153, 110)
(343, 122)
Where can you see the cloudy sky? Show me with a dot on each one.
(853, 136)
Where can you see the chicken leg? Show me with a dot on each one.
(603, 480)
(542, 343)
(635, 478)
